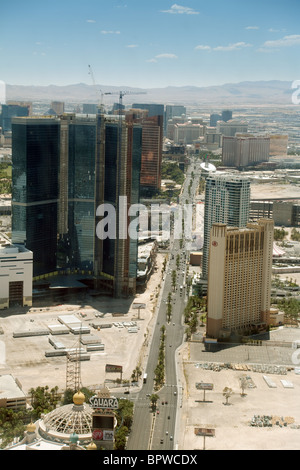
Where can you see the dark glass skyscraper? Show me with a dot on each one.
(12, 110)
(35, 149)
(63, 169)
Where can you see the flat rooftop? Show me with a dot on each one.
(9, 388)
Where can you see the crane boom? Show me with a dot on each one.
(97, 91)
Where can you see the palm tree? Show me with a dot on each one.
(153, 399)
(227, 392)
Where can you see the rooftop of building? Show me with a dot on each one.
(9, 388)
(6, 247)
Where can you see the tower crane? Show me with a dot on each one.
(122, 93)
(101, 106)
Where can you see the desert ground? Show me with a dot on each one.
(25, 357)
(232, 422)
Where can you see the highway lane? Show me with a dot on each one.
(156, 430)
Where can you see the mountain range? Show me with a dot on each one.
(274, 92)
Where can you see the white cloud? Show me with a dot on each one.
(180, 10)
(162, 56)
(272, 30)
(132, 46)
(110, 32)
(166, 56)
(252, 27)
(90, 21)
(230, 47)
(202, 47)
(286, 41)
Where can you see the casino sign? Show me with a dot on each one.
(104, 403)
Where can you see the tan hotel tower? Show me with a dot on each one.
(239, 277)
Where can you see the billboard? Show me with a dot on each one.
(102, 403)
(204, 386)
(138, 305)
(206, 432)
(113, 368)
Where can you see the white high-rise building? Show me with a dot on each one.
(227, 200)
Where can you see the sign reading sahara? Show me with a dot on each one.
(104, 403)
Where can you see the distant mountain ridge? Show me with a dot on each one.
(244, 93)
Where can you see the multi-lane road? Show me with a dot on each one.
(154, 430)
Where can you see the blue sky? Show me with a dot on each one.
(148, 44)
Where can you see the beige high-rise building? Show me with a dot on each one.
(239, 278)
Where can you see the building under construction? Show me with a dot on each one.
(65, 168)
(152, 145)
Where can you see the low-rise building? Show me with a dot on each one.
(15, 275)
(11, 393)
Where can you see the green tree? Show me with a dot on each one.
(121, 438)
(153, 400)
(136, 374)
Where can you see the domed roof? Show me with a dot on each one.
(68, 419)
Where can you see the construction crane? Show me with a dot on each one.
(122, 93)
(100, 105)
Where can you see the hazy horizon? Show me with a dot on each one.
(145, 45)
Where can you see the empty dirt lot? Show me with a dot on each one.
(24, 357)
(232, 422)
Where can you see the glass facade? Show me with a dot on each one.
(135, 194)
(81, 193)
(8, 112)
(35, 156)
(110, 189)
(227, 200)
(62, 168)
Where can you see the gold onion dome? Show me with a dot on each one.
(31, 427)
(78, 398)
(92, 446)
